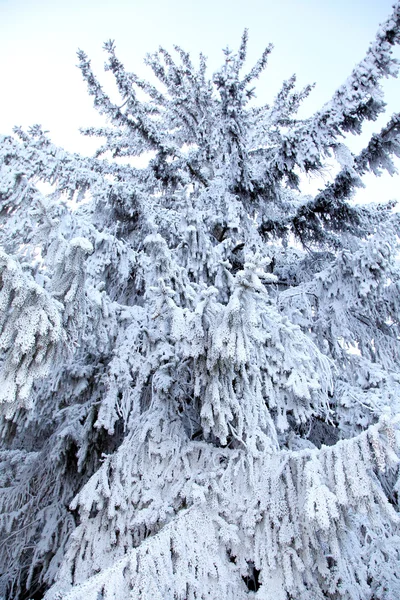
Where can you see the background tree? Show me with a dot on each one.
(199, 364)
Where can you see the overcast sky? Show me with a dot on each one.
(319, 40)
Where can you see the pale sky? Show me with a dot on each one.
(319, 40)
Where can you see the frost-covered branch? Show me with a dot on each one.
(30, 334)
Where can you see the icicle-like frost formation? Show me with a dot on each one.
(68, 282)
(265, 528)
(30, 334)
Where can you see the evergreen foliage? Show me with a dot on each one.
(199, 385)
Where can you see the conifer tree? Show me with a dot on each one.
(199, 364)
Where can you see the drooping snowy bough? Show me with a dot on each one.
(199, 384)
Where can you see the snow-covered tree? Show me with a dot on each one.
(200, 365)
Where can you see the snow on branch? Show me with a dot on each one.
(358, 99)
(30, 334)
(376, 156)
(198, 550)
